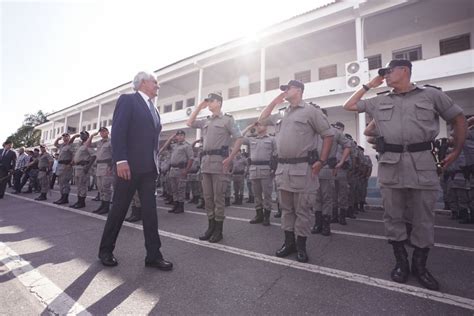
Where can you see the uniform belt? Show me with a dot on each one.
(293, 161)
(410, 147)
(43, 169)
(217, 152)
(180, 165)
(109, 161)
(238, 172)
(82, 163)
(260, 162)
(64, 162)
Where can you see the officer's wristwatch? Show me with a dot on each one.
(366, 87)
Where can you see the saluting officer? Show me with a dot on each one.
(298, 163)
(407, 120)
(218, 131)
(262, 149)
(104, 173)
(83, 160)
(45, 163)
(64, 170)
(180, 161)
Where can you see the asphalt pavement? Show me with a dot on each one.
(49, 265)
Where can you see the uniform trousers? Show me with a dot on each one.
(214, 186)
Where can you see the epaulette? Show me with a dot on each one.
(227, 114)
(383, 92)
(431, 86)
(315, 105)
(282, 109)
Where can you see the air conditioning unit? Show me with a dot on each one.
(357, 73)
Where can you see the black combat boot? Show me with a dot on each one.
(187, 196)
(63, 200)
(335, 216)
(180, 208)
(356, 208)
(236, 200)
(278, 213)
(170, 200)
(318, 223)
(301, 254)
(401, 271)
(227, 201)
(97, 197)
(361, 207)
(217, 234)
(418, 269)
(251, 199)
(136, 215)
(41, 197)
(342, 216)
(466, 216)
(239, 200)
(201, 204)
(194, 200)
(258, 217)
(266, 217)
(289, 246)
(326, 225)
(210, 229)
(350, 212)
(104, 208)
(81, 202)
(175, 207)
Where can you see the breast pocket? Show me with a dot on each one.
(385, 112)
(424, 111)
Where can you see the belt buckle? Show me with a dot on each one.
(405, 147)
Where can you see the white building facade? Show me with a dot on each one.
(316, 48)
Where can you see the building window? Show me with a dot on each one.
(455, 44)
(254, 87)
(190, 102)
(411, 54)
(62, 130)
(104, 123)
(178, 105)
(272, 84)
(303, 76)
(110, 123)
(88, 127)
(375, 61)
(94, 126)
(83, 128)
(327, 72)
(168, 108)
(234, 92)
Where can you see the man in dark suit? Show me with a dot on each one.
(7, 165)
(135, 137)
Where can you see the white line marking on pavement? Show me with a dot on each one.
(48, 294)
(436, 226)
(340, 232)
(340, 274)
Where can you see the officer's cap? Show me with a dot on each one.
(394, 63)
(292, 83)
(338, 125)
(348, 136)
(180, 132)
(103, 128)
(65, 134)
(84, 133)
(214, 96)
(42, 146)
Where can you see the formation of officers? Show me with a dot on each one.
(314, 167)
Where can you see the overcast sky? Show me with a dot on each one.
(57, 53)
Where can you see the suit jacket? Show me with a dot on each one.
(8, 162)
(134, 135)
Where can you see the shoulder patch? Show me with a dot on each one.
(227, 114)
(431, 86)
(383, 92)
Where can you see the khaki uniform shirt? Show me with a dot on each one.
(66, 152)
(339, 141)
(83, 153)
(409, 118)
(44, 160)
(217, 131)
(104, 152)
(181, 153)
(262, 148)
(296, 135)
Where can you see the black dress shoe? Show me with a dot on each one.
(160, 264)
(133, 219)
(108, 260)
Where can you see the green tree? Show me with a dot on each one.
(27, 135)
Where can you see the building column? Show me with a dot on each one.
(262, 74)
(199, 97)
(54, 131)
(99, 114)
(361, 139)
(79, 129)
(65, 124)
